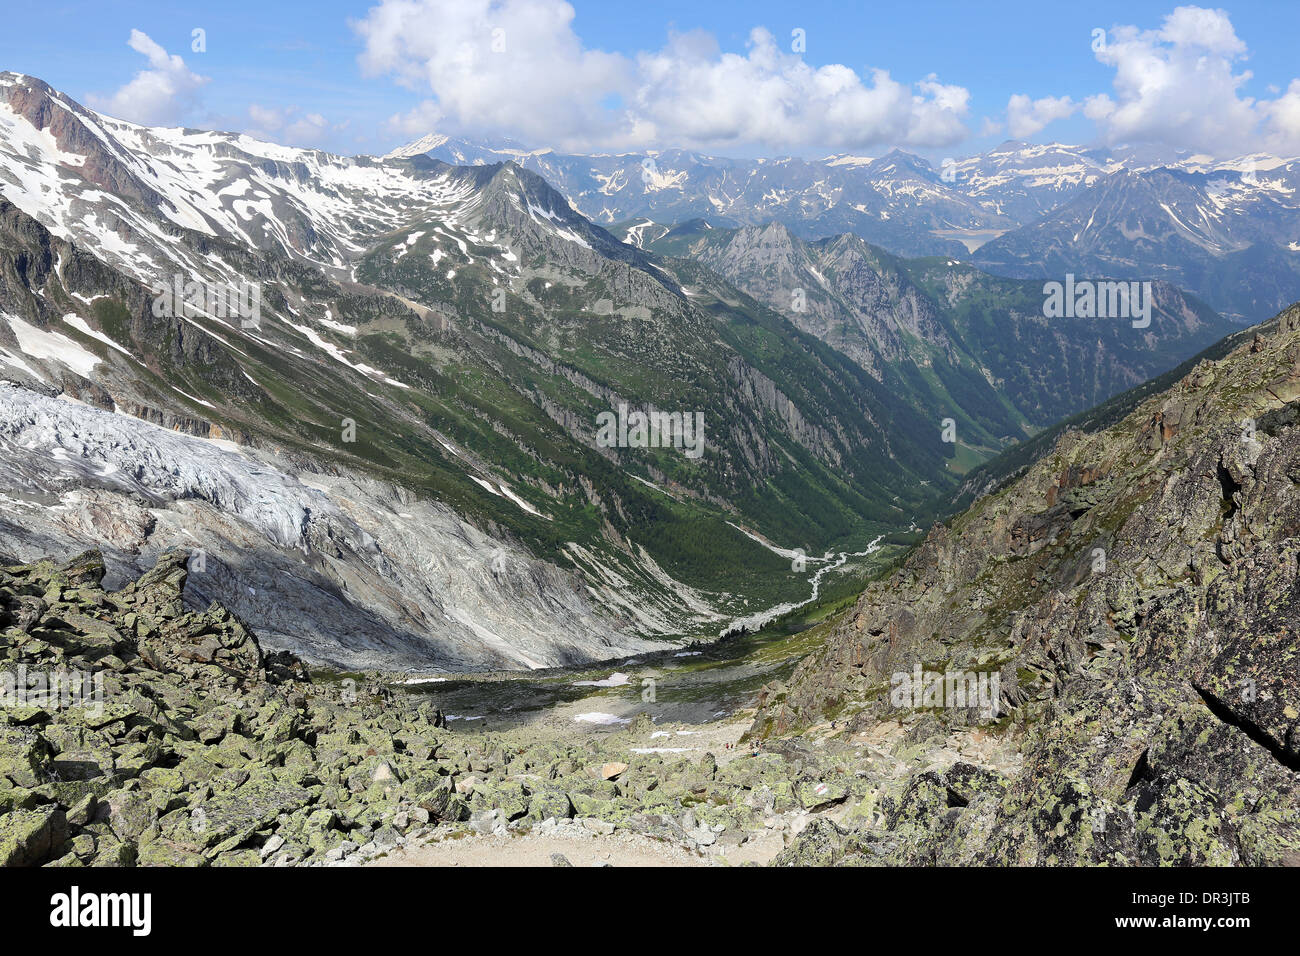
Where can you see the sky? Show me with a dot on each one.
(757, 78)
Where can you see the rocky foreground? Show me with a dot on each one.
(197, 748)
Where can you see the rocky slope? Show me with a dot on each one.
(340, 569)
(174, 739)
(1135, 591)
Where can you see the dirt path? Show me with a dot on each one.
(618, 849)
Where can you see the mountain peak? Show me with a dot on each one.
(425, 144)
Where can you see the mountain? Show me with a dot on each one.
(951, 339)
(1228, 231)
(1231, 236)
(1117, 627)
(390, 377)
(1130, 602)
(1024, 181)
(897, 200)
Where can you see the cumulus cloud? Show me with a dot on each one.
(159, 96)
(690, 92)
(1283, 121)
(516, 66)
(289, 126)
(494, 65)
(1180, 85)
(1026, 116)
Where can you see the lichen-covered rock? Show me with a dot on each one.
(32, 837)
(1137, 593)
(191, 747)
(825, 843)
(24, 757)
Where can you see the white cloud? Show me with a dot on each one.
(517, 67)
(690, 93)
(512, 66)
(159, 96)
(1283, 122)
(424, 118)
(1025, 117)
(290, 126)
(1178, 86)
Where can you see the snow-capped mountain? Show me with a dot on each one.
(1015, 208)
(897, 200)
(124, 190)
(432, 350)
(1230, 232)
(1023, 181)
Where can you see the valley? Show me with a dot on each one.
(437, 347)
(479, 504)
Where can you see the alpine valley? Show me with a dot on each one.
(398, 500)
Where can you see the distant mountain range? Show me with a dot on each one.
(1228, 231)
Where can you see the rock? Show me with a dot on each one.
(611, 771)
(487, 822)
(511, 799)
(83, 811)
(231, 818)
(814, 794)
(823, 843)
(433, 795)
(25, 757)
(32, 837)
(130, 814)
(549, 802)
(167, 853)
(731, 839)
(559, 859)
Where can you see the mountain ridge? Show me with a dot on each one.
(998, 207)
(380, 354)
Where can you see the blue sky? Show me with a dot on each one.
(364, 77)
